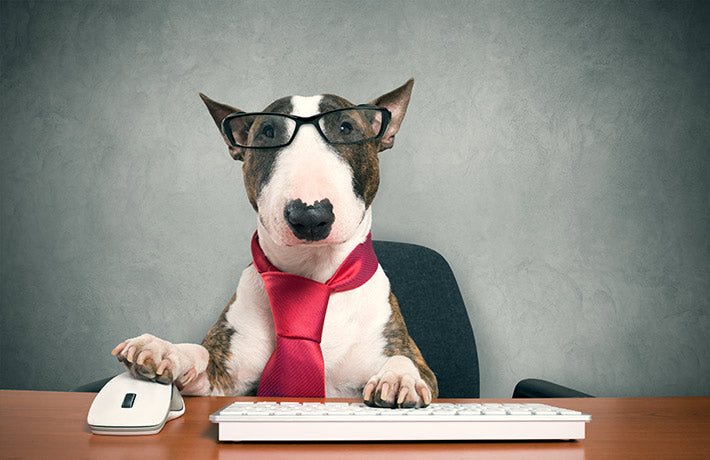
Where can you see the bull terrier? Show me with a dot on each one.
(311, 172)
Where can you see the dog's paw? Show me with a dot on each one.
(393, 387)
(151, 358)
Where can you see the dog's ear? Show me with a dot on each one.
(219, 112)
(396, 102)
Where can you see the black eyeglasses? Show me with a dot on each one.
(352, 125)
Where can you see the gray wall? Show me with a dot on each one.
(556, 153)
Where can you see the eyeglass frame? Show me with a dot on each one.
(310, 120)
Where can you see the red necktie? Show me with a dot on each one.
(298, 306)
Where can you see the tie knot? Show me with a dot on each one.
(298, 305)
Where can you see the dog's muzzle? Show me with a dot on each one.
(310, 223)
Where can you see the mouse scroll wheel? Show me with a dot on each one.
(128, 400)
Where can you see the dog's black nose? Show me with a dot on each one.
(310, 223)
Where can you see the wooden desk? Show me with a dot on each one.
(39, 424)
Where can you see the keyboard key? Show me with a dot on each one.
(519, 411)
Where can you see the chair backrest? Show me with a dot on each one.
(435, 314)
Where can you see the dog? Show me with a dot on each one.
(312, 194)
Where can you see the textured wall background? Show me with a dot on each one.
(556, 153)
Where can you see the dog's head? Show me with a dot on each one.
(311, 171)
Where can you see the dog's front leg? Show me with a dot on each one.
(405, 380)
(199, 370)
(151, 358)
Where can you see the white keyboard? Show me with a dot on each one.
(339, 421)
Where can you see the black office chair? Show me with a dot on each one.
(437, 320)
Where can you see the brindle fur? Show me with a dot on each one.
(217, 342)
(400, 343)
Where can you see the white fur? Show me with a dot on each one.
(309, 170)
(352, 340)
(255, 340)
(305, 106)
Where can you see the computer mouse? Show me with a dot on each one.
(127, 405)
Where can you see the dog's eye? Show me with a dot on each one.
(267, 131)
(346, 128)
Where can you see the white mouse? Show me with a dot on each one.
(130, 406)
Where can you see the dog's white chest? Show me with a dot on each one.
(352, 341)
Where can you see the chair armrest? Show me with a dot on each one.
(536, 388)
